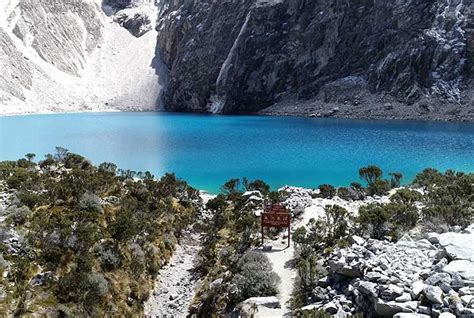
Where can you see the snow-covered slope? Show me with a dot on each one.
(69, 55)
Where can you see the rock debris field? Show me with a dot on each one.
(176, 283)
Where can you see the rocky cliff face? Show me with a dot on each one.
(241, 56)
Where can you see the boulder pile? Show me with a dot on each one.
(432, 277)
(297, 199)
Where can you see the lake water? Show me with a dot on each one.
(209, 150)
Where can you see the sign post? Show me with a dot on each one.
(276, 215)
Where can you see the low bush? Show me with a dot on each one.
(452, 201)
(30, 199)
(254, 277)
(89, 202)
(327, 191)
(406, 196)
(379, 220)
(108, 256)
(17, 215)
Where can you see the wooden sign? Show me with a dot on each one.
(275, 219)
(276, 215)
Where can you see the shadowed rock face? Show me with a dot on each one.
(242, 56)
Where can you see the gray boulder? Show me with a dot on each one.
(391, 292)
(434, 294)
(390, 308)
(438, 279)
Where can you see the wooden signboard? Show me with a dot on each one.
(277, 216)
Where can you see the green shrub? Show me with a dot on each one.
(403, 216)
(17, 215)
(138, 262)
(406, 196)
(89, 202)
(75, 161)
(30, 199)
(370, 174)
(125, 226)
(18, 178)
(396, 178)
(327, 191)
(452, 201)
(108, 256)
(255, 277)
(379, 220)
(336, 223)
(379, 187)
(373, 219)
(428, 177)
(257, 185)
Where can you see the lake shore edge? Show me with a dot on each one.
(269, 112)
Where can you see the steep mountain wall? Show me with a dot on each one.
(70, 55)
(360, 58)
(241, 56)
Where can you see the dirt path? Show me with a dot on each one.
(176, 282)
(281, 258)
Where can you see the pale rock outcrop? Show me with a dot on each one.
(410, 278)
(69, 55)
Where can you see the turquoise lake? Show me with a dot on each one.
(206, 151)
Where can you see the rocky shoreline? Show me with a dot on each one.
(365, 106)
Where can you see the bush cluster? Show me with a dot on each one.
(96, 250)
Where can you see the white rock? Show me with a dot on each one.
(367, 288)
(439, 278)
(425, 245)
(458, 245)
(354, 239)
(467, 299)
(446, 315)
(330, 308)
(252, 193)
(311, 307)
(433, 237)
(403, 298)
(465, 268)
(270, 302)
(416, 288)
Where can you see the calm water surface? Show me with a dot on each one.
(208, 150)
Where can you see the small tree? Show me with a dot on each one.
(61, 154)
(395, 180)
(30, 156)
(258, 185)
(230, 187)
(336, 223)
(370, 174)
(373, 219)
